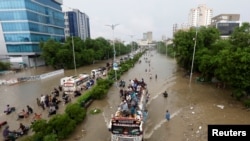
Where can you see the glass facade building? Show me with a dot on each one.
(25, 23)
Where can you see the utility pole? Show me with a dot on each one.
(114, 63)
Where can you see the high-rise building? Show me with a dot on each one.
(77, 24)
(200, 16)
(24, 24)
(148, 36)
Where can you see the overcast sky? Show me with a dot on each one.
(136, 17)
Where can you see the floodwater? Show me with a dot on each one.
(192, 106)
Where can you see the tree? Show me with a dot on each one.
(49, 51)
(75, 112)
(161, 47)
(5, 65)
(184, 43)
(58, 123)
(234, 67)
(241, 36)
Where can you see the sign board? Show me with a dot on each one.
(115, 66)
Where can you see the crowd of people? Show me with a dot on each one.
(22, 130)
(47, 102)
(131, 97)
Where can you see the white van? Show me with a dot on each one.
(96, 73)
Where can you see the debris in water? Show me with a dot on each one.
(220, 106)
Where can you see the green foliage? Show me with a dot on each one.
(5, 65)
(51, 137)
(50, 49)
(99, 92)
(58, 123)
(241, 35)
(238, 94)
(227, 60)
(184, 43)
(125, 68)
(41, 128)
(161, 47)
(171, 50)
(106, 83)
(85, 97)
(75, 112)
(86, 52)
(247, 103)
(37, 137)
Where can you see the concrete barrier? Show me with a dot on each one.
(31, 78)
(50, 74)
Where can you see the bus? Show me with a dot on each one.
(73, 83)
(125, 126)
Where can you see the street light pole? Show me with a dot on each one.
(73, 49)
(195, 42)
(191, 73)
(113, 28)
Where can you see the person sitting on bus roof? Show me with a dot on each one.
(124, 108)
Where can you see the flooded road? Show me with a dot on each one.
(192, 106)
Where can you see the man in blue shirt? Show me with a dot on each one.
(167, 116)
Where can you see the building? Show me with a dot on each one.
(200, 16)
(226, 23)
(24, 24)
(225, 18)
(77, 24)
(148, 37)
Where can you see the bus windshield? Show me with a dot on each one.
(126, 130)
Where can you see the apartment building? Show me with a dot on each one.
(200, 16)
(148, 37)
(77, 24)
